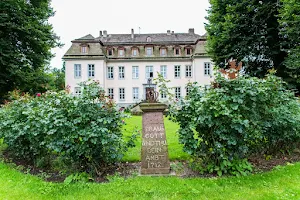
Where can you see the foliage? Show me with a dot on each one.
(249, 31)
(290, 29)
(77, 177)
(57, 79)
(26, 39)
(222, 126)
(84, 129)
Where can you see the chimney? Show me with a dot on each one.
(100, 33)
(168, 32)
(132, 33)
(172, 32)
(104, 33)
(191, 31)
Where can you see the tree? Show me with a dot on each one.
(247, 31)
(26, 39)
(290, 30)
(57, 77)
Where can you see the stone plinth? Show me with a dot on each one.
(155, 158)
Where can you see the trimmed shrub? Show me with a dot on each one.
(221, 127)
(85, 129)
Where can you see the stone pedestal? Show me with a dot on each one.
(155, 158)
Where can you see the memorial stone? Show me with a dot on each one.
(155, 159)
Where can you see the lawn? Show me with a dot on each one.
(174, 148)
(282, 183)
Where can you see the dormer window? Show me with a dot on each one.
(121, 52)
(177, 51)
(163, 52)
(148, 39)
(83, 49)
(110, 52)
(149, 51)
(188, 51)
(134, 51)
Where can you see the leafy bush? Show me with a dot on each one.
(224, 125)
(85, 129)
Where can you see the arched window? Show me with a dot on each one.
(148, 39)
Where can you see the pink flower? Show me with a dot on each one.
(38, 94)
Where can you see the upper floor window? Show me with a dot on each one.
(163, 71)
(91, 70)
(177, 51)
(188, 71)
(177, 71)
(163, 51)
(110, 52)
(121, 52)
(135, 72)
(188, 51)
(134, 51)
(149, 72)
(148, 39)
(110, 72)
(77, 70)
(111, 93)
(149, 51)
(121, 72)
(207, 68)
(84, 49)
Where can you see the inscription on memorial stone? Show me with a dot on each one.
(155, 158)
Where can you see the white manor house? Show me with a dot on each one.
(124, 64)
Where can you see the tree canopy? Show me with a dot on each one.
(250, 31)
(26, 39)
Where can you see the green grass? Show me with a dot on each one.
(174, 148)
(282, 183)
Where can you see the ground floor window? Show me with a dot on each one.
(122, 93)
(177, 92)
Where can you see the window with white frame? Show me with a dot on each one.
(188, 71)
(163, 71)
(177, 71)
(163, 94)
(111, 93)
(77, 90)
(77, 70)
(177, 92)
(110, 72)
(149, 51)
(122, 93)
(135, 72)
(207, 68)
(121, 72)
(91, 70)
(135, 93)
(149, 71)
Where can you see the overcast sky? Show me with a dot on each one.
(77, 18)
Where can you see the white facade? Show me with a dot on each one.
(129, 79)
